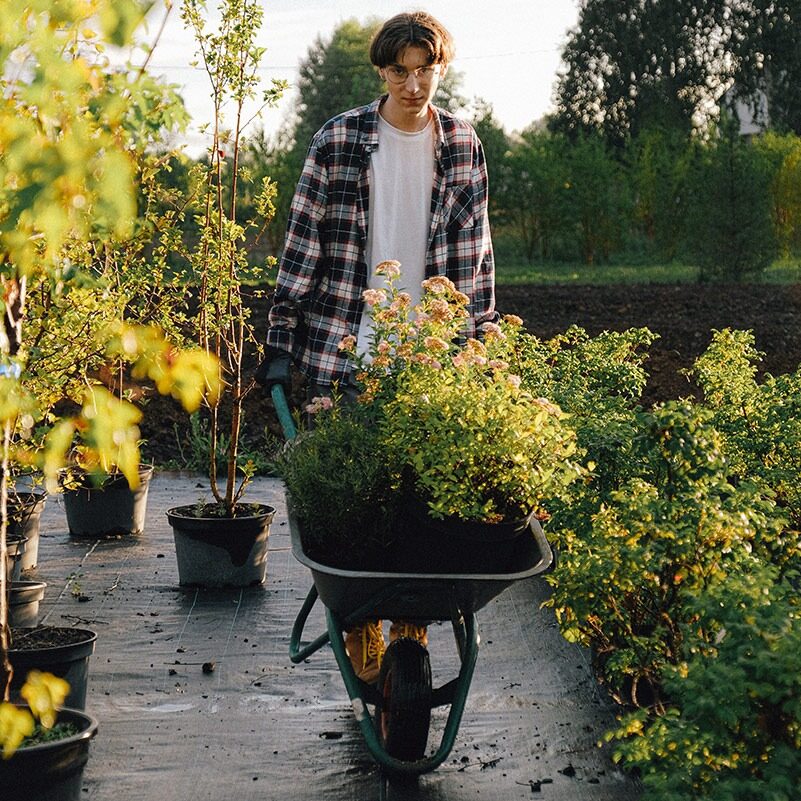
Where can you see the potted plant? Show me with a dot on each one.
(224, 541)
(104, 504)
(44, 745)
(343, 498)
(465, 454)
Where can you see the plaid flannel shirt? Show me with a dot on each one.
(322, 272)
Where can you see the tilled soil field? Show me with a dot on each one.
(683, 316)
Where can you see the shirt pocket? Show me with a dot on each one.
(459, 208)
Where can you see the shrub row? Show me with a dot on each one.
(678, 560)
(727, 205)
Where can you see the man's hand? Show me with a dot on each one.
(274, 369)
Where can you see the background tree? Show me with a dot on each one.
(783, 152)
(627, 64)
(496, 146)
(768, 56)
(335, 75)
(657, 162)
(596, 198)
(730, 233)
(533, 200)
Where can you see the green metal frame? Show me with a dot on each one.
(453, 693)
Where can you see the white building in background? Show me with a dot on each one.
(752, 113)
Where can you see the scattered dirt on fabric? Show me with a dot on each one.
(683, 315)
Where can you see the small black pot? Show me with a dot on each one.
(112, 508)
(68, 660)
(221, 551)
(50, 771)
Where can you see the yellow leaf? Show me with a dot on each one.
(15, 725)
(57, 444)
(44, 693)
(111, 434)
(188, 375)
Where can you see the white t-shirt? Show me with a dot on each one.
(401, 177)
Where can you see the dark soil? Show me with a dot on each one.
(33, 639)
(683, 315)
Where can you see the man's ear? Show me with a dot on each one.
(442, 70)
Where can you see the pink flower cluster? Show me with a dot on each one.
(391, 269)
(319, 404)
(374, 297)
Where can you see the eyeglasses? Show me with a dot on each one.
(394, 73)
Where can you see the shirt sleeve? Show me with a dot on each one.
(484, 294)
(301, 264)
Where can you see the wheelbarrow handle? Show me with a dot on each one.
(282, 410)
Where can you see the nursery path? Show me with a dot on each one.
(258, 727)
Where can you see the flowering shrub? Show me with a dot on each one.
(678, 564)
(626, 572)
(454, 420)
(760, 423)
(437, 416)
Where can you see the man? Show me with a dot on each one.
(398, 179)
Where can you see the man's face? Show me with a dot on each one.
(411, 83)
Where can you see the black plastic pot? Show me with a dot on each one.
(50, 771)
(24, 598)
(24, 516)
(108, 509)
(69, 660)
(452, 545)
(221, 551)
(15, 548)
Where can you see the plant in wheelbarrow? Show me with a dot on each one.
(224, 541)
(456, 453)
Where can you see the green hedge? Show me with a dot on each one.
(727, 206)
(679, 560)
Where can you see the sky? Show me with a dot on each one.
(508, 51)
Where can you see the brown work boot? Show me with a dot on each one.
(401, 628)
(365, 646)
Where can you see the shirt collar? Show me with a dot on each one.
(370, 130)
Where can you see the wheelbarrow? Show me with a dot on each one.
(396, 732)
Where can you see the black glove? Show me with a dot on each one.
(274, 369)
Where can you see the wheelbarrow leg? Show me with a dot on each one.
(299, 650)
(361, 694)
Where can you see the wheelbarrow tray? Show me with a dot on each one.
(420, 596)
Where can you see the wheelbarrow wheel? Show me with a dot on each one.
(405, 686)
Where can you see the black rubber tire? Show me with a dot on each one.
(405, 686)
